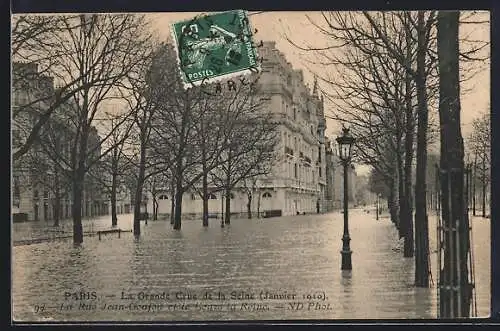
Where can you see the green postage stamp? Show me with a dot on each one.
(214, 47)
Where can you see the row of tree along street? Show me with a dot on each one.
(161, 134)
(390, 74)
(395, 77)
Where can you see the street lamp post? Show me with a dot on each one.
(345, 143)
(378, 204)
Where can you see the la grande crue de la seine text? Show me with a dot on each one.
(204, 295)
(233, 295)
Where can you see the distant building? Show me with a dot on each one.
(123, 201)
(338, 181)
(332, 165)
(35, 176)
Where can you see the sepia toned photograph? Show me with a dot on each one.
(250, 165)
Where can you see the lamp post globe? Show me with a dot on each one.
(345, 142)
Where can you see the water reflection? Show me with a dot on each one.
(346, 285)
(299, 255)
(346, 278)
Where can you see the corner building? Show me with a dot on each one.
(297, 183)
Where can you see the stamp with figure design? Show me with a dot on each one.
(214, 47)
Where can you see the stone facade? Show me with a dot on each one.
(34, 174)
(298, 182)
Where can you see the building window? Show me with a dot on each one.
(163, 197)
(319, 154)
(193, 196)
(211, 196)
(320, 172)
(231, 196)
(35, 194)
(294, 113)
(295, 170)
(267, 195)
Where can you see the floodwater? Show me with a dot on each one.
(266, 269)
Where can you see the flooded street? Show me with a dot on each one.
(275, 268)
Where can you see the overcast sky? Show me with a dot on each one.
(273, 26)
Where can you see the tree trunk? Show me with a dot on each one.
(179, 191)
(57, 196)
(388, 204)
(249, 205)
(258, 203)
(172, 201)
(155, 205)
(484, 186)
(178, 207)
(80, 157)
(407, 202)
(154, 208)
(474, 176)
(403, 221)
(421, 219)
(393, 205)
(227, 219)
(137, 210)
(205, 197)
(114, 218)
(138, 189)
(77, 206)
(452, 303)
(484, 198)
(222, 209)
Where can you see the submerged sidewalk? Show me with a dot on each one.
(297, 255)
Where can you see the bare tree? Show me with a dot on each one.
(355, 40)
(52, 153)
(174, 131)
(98, 51)
(251, 145)
(209, 139)
(227, 110)
(144, 91)
(110, 170)
(53, 45)
(34, 52)
(419, 75)
(372, 92)
(250, 188)
(454, 301)
(154, 185)
(480, 143)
